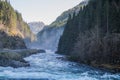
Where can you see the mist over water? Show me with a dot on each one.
(48, 38)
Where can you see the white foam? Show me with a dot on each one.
(48, 66)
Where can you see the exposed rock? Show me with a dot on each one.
(14, 58)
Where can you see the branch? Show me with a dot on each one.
(117, 6)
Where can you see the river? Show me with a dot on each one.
(49, 66)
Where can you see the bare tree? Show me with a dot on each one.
(107, 9)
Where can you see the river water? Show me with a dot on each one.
(49, 66)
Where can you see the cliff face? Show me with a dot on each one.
(13, 26)
(93, 36)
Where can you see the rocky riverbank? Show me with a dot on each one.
(15, 58)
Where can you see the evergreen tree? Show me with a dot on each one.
(93, 34)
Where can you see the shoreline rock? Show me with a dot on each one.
(15, 58)
(106, 67)
(109, 67)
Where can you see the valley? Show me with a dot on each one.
(83, 43)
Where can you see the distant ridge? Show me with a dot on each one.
(50, 34)
(36, 26)
(62, 19)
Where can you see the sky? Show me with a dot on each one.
(42, 10)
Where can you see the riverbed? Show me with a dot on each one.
(50, 66)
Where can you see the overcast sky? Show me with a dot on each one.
(42, 10)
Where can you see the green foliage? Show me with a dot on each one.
(7, 14)
(13, 23)
(92, 36)
(11, 42)
(62, 19)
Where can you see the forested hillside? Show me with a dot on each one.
(53, 31)
(12, 24)
(62, 19)
(93, 35)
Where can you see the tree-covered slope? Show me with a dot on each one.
(11, 42)
(62, 19)
(93, 36)
(53, 31)
(12, 24)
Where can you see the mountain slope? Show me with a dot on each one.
(93, 36)
(12, 24)
(36, 26)
(62, 19)
(51, 34)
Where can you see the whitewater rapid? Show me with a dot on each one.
(51, 66)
